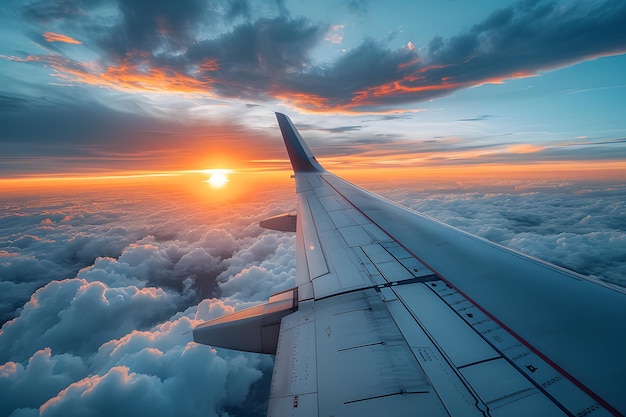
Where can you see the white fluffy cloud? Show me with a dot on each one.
(41, 378)
(103, 299)
(75, 316)
(263, 269)
(144, 373)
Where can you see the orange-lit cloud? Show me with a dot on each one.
(84, 386)
(30, 58)
(503, 78)
(372, 95)
(210, 64)
(310, 103)
(57, 37)
(132, 77)
(133, 74)
(373, 99)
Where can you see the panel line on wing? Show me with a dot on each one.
(345, 234)
(360, 346)
(387, 395)
(365, 362)
(561, 390)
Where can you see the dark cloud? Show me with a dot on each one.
(46, 11)
(533, 35)
(342, 129)
(252, 59)
(371, 64)
(91, 122)
(151, 25)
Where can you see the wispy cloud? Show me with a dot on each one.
(57, 37)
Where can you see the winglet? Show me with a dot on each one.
(302, 159)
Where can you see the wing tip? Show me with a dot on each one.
(302, 159)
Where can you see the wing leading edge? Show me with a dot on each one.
(394, 310)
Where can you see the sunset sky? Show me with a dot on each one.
(110, 86)
(139, 150)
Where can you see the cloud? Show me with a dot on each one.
(263, 55)
(57, 37)
(156, 372)
(107, 321)
(75, 316)
(155, 24)
(335, 34)
(189, 380)
(73, 130)
(517, 41)
(265, 268)
(30, 385)
(254, 58)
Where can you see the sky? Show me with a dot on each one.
(103, 87)
(139, 151)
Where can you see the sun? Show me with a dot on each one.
(218, 178)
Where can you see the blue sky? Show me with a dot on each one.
(95, 87)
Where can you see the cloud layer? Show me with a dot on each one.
(577, 225)
(100, 289)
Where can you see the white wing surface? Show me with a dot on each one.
(395, 313)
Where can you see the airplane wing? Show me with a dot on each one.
(397, 313)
